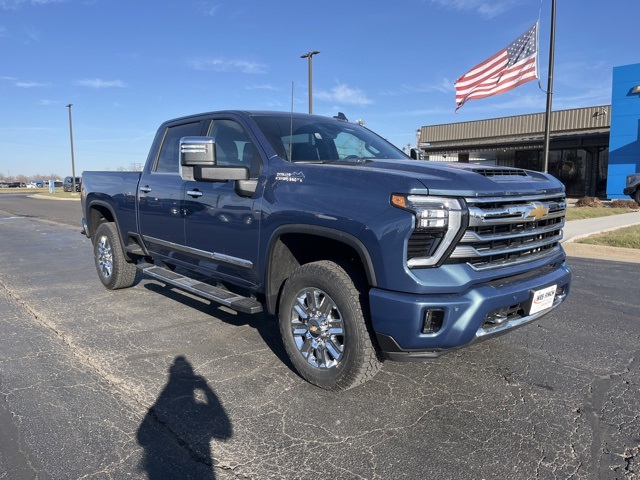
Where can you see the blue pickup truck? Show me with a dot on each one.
(363, 253)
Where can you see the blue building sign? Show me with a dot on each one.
(624, 137)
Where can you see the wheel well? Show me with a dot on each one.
(294, 249)
(98, 214)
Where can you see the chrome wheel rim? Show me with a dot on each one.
(104, 257)
(318, 328)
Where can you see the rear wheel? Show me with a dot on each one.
(113, 269)
(323, 326)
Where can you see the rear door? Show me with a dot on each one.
(160, 194)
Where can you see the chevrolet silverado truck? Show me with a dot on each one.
(363, 253)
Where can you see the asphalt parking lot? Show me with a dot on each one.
(150, 382)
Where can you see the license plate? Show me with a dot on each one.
(542, 299)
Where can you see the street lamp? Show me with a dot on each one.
(73, 165)
(310, 55)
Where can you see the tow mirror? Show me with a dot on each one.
(197, 152)
(198, 162)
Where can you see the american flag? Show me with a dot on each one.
(510, 67)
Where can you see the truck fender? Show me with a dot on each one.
(281, 261)
(108, 214)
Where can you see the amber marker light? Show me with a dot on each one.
(399, 201)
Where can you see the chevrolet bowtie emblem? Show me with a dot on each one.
(536, 210)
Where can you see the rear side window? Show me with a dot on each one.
(169, 159)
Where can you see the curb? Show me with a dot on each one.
(585, 235)
(601, 252)
(42, 197)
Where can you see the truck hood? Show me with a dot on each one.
(469, 180)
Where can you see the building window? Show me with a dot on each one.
(573, 170)
(529, 160)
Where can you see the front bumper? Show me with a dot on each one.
(628, 191)
(397, 318)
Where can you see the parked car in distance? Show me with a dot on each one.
(633, 187)
(67, 185)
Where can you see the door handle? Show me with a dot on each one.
(194, 193)
(145, 189)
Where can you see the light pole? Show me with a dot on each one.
(73, 163)
(310, 55)
(547, 116)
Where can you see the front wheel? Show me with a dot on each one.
(323, 326)
(113, 269)
(636, 196)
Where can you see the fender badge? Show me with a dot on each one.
(290, 177)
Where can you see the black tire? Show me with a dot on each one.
(636, 196)
(323, 326)
(113, 269)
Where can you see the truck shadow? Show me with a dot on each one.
(176, 431)
(266, 325)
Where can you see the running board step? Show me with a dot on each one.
(134, 250)
(215, 294)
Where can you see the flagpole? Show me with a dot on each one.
(547, 117)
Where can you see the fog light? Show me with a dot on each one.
(433, 319)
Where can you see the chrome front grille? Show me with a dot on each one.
(504, 232)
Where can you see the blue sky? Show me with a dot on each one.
(126, 66)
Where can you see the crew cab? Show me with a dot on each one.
(363, 253)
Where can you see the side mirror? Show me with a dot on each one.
(198, 162)
(198, 152)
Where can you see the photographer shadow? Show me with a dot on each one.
(176, 431)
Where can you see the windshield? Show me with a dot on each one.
(321, 140)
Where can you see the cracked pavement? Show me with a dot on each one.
(150, 382)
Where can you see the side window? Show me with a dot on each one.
(233, 146)
(169, 159)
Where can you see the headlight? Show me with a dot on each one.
(438, 220)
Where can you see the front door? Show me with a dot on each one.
(221, 226)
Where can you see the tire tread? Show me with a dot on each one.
(368, 362)
(124, 273)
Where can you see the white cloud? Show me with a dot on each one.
(487, 9)
(444, 86)
(344, 94)
(221, 65)
(99, 83)
(264, 86)
(32, 34)
(209, 9)
(30, 84)
(15, 4)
